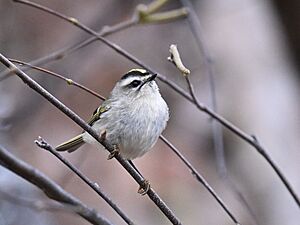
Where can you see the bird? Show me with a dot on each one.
(131, 118)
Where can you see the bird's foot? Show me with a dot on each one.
(144, 188)
(114, 152)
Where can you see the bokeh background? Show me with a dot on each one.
(255, 49)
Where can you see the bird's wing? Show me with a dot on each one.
(71, 145)
(74, 143)
(97, 113)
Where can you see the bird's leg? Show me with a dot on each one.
(144, 188)
(114, 152)
(103, 135)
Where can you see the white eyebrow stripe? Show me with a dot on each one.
(138, 70)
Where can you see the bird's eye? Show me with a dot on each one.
(135, 83)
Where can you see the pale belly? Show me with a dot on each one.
(134, 133)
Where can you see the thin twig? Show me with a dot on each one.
(38, 205)
(137, 177)
(200, 178)
(217, 132)
(196, 29)
(62, 53)
(171, 146)
(68, 80)
(112, 45)
(248, 138)
(49, 187)
(43, 144)
(66, 178)
(143, 14)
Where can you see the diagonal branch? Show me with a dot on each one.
(166, 141)
(137, 177)
(37, 205)
(199, 177)
(252, 140)
(67, 80)
(62, 53)
(49, 187)
(217, 132)
(246, 137)
(196, 30)
(43, 144)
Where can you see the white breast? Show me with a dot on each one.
(145, 123)
(133, 126)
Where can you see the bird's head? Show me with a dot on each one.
(136, 83)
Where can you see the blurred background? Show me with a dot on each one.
(255, 47)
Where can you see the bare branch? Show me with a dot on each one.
(112, 45)
(137, 177)
(248, 138)
(217, 132)
(62, 53)
(67, 80)
(199, 177)
(196, 174)
(43, 144)
(38, 205)
(49, 187)
(216, 128)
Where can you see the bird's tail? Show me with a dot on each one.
(72, 144)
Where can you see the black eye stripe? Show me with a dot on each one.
(135, 83)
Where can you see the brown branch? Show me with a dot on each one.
(200, 178)
(38, 205)
(43, 144)
(49, 187)
(112, 45)
(137, 177)
(167, 142)
(217, 132)
(67, 80)
(196, 30)
(248, 138)
(252, 140)
(62, 53)
(143, 14)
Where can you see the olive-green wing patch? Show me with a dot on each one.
(97, 113)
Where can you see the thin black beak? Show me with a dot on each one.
(151, 78)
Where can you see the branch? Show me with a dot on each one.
(252, 140)
(196, 29)
(49, 187)
(248, 138)
(143, 14)
(43, 144)
(199, 177)
(137, 177)
(67, 80)
(217, 132)
(112, 45)
(62, 53)
(38, 205)
(196, 174)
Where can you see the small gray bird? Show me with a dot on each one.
(132, 117)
